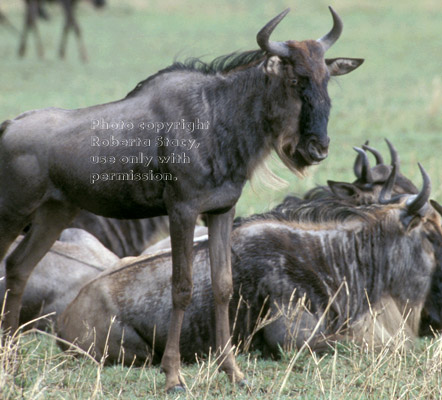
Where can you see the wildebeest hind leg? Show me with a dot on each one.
(220, 227)
(48, 222)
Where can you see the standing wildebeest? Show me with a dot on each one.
(34, 9)
(202, 128)
(385, 254)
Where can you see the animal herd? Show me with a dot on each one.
(351, 260)
(34, 11)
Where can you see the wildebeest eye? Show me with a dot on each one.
(294, 81)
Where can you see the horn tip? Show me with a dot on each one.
(332, 10)
(424, 173)
(284, 13)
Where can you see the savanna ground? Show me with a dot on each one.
(395, 94)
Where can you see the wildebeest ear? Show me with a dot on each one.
(411, 222)
(342, 66)
(436, 206)
(273, 66)
(344, 190)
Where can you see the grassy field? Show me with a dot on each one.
(395, 94)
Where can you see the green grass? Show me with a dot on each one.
(36, 369)
(395, 94)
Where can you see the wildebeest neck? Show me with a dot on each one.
(240, 97)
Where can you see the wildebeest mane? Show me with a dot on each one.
(319, 210)
(222, 64)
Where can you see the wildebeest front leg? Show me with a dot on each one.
(182, 225)
(220, 227)
(48, 222)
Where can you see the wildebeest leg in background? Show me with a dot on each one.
(220, 228)
(47, 224)
(71, 23)
(182, 224)
(5, 22)
(30, 22)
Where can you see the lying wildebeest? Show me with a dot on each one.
(34, 9)
(383, 252)
(71, 262)
(365, 190)
(124, 237)
(226, 115)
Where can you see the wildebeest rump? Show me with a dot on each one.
(242, 106)
(383, 252)
(72, 261)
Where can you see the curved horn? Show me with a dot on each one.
(330, 38)
(393, 153)
(423, 196)
(365, 167)
(275, 48)
(357, 166)
(377, 155)
(385, 195)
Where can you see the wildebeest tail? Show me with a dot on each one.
(4, 125)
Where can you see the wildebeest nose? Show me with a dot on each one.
(318, 150)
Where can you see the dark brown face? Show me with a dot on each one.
(308, 75)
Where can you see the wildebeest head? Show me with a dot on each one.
(302, 66)
(370, 180)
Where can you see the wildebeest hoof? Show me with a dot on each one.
(244, 383)
(176, 389)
